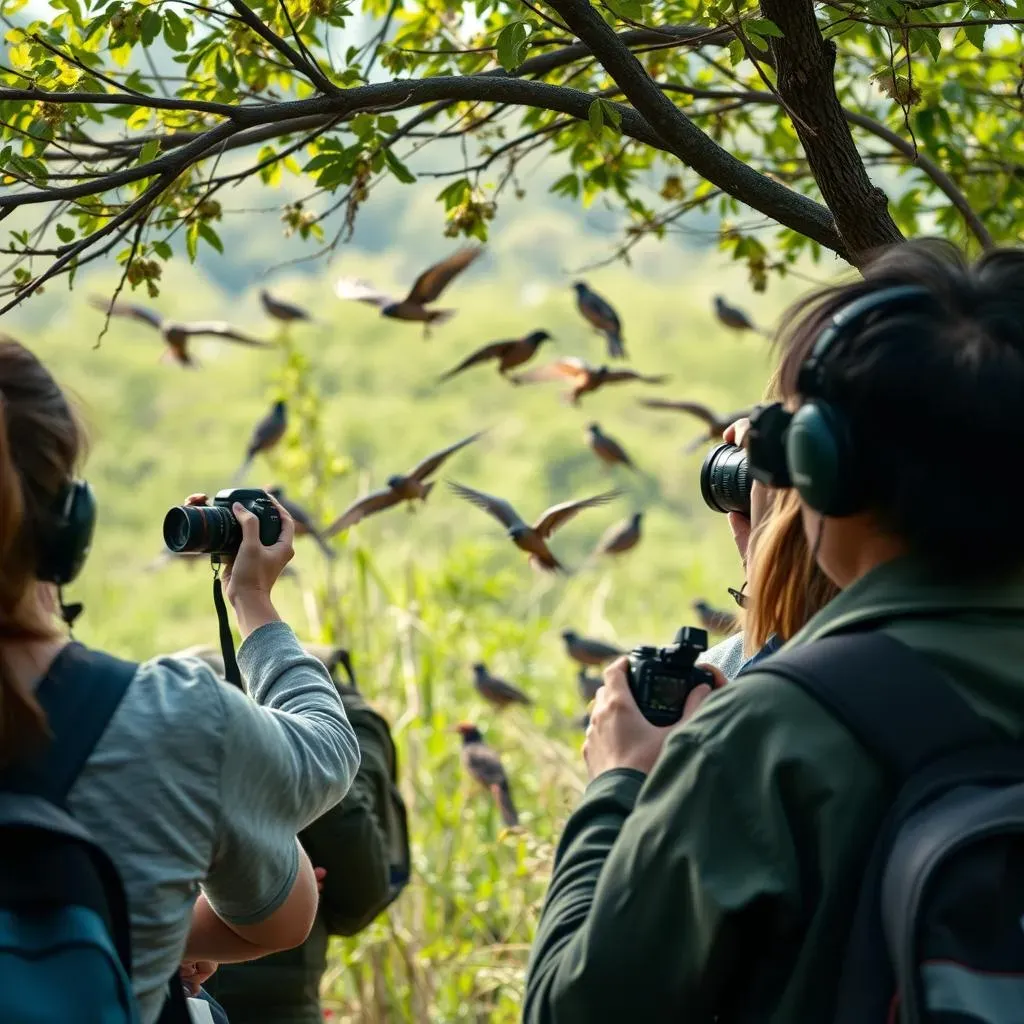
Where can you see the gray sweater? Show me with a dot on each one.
(727, 655)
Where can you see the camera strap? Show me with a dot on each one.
(227, 641)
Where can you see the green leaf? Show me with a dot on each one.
(64, 233)
(512, 45)
(398, 169)
(976, 35)
(175, 35)
(737, 53)
(192, 240)
(610, 114)
(211, 236)
(454, 194)
(595, 114)
(762, 27)
(149, 151)
(149, 26)
(162, 249)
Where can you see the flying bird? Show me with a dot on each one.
(600, 314)
(587, 651)
(278, 309)
(426, 289)
(588, 685)
(735, 318)
(606, 448)
(532, 539)
(411, 487)
(714, 620)
(483, 764)
(507, 354)
(495, 690)
(265, 435)
(716, 423)
(176, 334)
(304, 524)
(621, 537)
(583, 377)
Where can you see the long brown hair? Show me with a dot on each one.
(40, 444)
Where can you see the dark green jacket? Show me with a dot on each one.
(724, 884)
(359, 842)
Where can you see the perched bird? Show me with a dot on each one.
(508, 354)
(175, 333)
(484, 765)
(532, 539)
(414, 485)
(304, 525)
(587, 651)
(426, 289)
(599, 313)
(716, 423)
(495, 690)
(583, 377)
(621, 537)
(265, 435)
(606, 448)
(588, 685)
(714, 620)
(278, 309)
(734, 318)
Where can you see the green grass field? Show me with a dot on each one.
(420, 597)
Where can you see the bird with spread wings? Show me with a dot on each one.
(584, 378)
(716, 422)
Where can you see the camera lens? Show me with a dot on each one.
(207, 529)
(725, 480)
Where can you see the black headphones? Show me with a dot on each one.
(811, 449)
(66, 539)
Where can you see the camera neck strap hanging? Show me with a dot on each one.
(227, 641)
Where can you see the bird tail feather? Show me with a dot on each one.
(242, 470)
(503, 797)
(427, 488)
(440, 316)
(616, 346)
(321, 541)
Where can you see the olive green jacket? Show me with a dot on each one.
(361, 843)
(722, 886)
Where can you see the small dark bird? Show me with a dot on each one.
(621, 537)
(304, 525)
(265, 435)
(278, 309)
(426, 289)
(599, 314)
(583, 377)
(175, 333)
(606, 448)
(734, 318)
(588, 685)
(508, 354)
(587, 651)
(714, 620)
(496, 691)
(410, 487)
(716, 422)
(484, 765)
(532, 539)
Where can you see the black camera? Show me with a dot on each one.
(661, 678)
(213, 529)
(725, 480)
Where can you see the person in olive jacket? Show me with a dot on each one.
(711, 870)
(361, 843)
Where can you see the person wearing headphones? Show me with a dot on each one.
(712, 869)
(193, 789)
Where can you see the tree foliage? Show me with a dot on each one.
(124, 121)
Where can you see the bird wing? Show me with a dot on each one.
(358, 290)
(497, 507)
(600, 312)
(559, 515)
(433, 462)
(377, 501)
(220, 329)
(495, 350)
(485, 765)
(702, 412)
(277, 307)
(505, 689)
(429, 285)
(129, 310)
(569, 368)
(619, 376)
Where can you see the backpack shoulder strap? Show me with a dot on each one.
(894, 700)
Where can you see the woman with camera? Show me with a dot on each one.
(194, 790)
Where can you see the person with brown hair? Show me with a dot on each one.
(194, 790)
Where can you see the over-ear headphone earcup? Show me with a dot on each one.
(66, 545)
(820, 459)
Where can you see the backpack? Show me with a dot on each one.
(64, 926)
(938, 933)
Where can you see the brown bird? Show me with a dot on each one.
(716, 423)
(496, 691)
(508, 354)
(304, 525)
(175, 333)
(606, 448)
(278, 309)
(588, 685)
(598, 312)
(426, 289)
(587, 651)
(532, 539)
(412, 486)
(583, 377)
(734, 318)
(484, 765)
(265, 435)
(714, 620)
(621, 537)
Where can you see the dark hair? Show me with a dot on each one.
(40, 444)
(934, 395)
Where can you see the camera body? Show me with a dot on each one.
(214, 530)
(661, 678)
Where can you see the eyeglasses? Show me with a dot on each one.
(738, 596)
